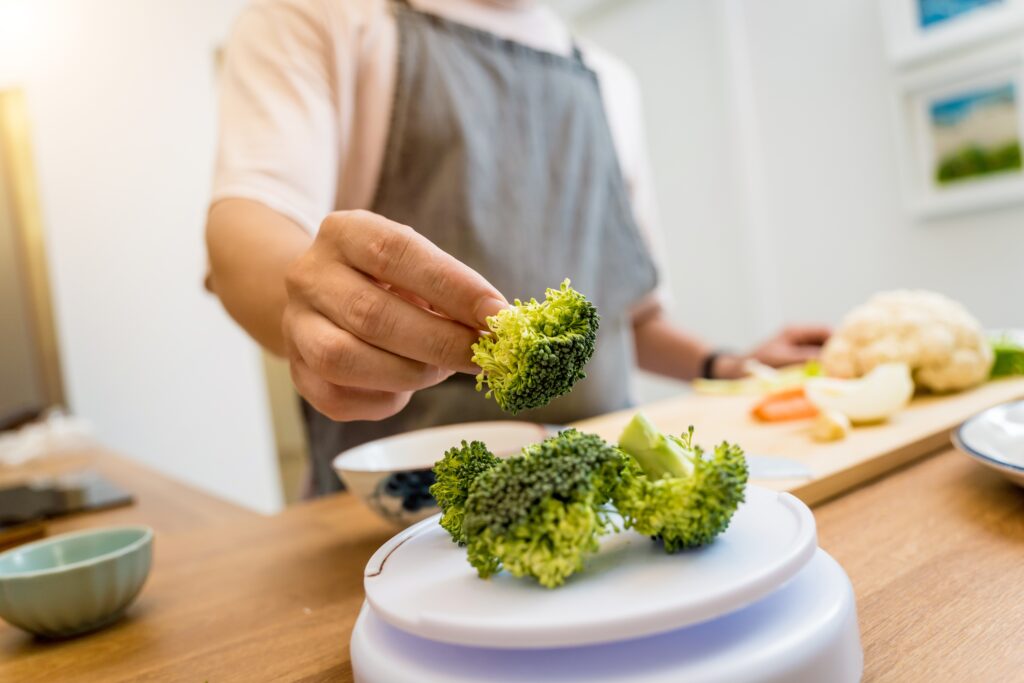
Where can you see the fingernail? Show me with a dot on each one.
(487, 308)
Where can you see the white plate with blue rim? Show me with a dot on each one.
(995, 438)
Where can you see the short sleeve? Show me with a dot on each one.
(278, 132)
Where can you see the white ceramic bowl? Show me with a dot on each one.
(393, 475)
(995, 438)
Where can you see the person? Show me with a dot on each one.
(389, 171)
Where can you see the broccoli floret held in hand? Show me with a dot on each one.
(686, 497)
(536, 350)
(453, 476)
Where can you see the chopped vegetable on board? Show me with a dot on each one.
(1009, 357)
(782, 406)
(873, 398)
(760, 379)
(830, 425)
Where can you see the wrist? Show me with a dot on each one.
(726, 365)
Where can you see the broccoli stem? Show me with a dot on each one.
(658, 455)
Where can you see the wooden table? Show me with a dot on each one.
(935, 552)
(167, 505)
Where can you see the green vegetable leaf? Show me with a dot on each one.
(1009, 358)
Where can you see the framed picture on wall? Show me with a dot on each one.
(917, 30)
(963, 122)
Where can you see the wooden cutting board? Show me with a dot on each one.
(866, 453)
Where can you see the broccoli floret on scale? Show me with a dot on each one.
(454, 474)
(542, 513)
(685, 511)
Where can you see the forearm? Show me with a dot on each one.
(250, 247)
(664, 349)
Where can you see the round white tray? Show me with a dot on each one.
(805, 632)
(421, 583)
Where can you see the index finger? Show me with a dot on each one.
(397, 255)
(808, 335)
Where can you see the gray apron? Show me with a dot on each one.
(501, 155)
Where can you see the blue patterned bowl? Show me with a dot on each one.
(393, 475)
(74, 583)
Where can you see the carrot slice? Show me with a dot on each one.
(791, 404)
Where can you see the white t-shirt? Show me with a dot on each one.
(307, 89)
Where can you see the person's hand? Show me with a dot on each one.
(795, 344)
(375, 312)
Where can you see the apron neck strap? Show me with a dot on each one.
(577, 54)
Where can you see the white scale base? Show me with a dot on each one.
(803, 632)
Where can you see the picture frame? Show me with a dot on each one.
(919, 30)
(962, 124)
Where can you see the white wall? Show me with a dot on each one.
(121, 95)
(771, 124)
(830, 166)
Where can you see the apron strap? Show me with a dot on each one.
(577, 55)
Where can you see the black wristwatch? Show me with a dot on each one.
(707, 366)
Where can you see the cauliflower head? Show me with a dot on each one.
(941, 342)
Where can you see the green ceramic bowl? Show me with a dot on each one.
(73, 583)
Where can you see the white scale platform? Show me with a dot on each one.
(762, 603)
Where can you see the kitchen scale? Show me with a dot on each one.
(761, 603)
